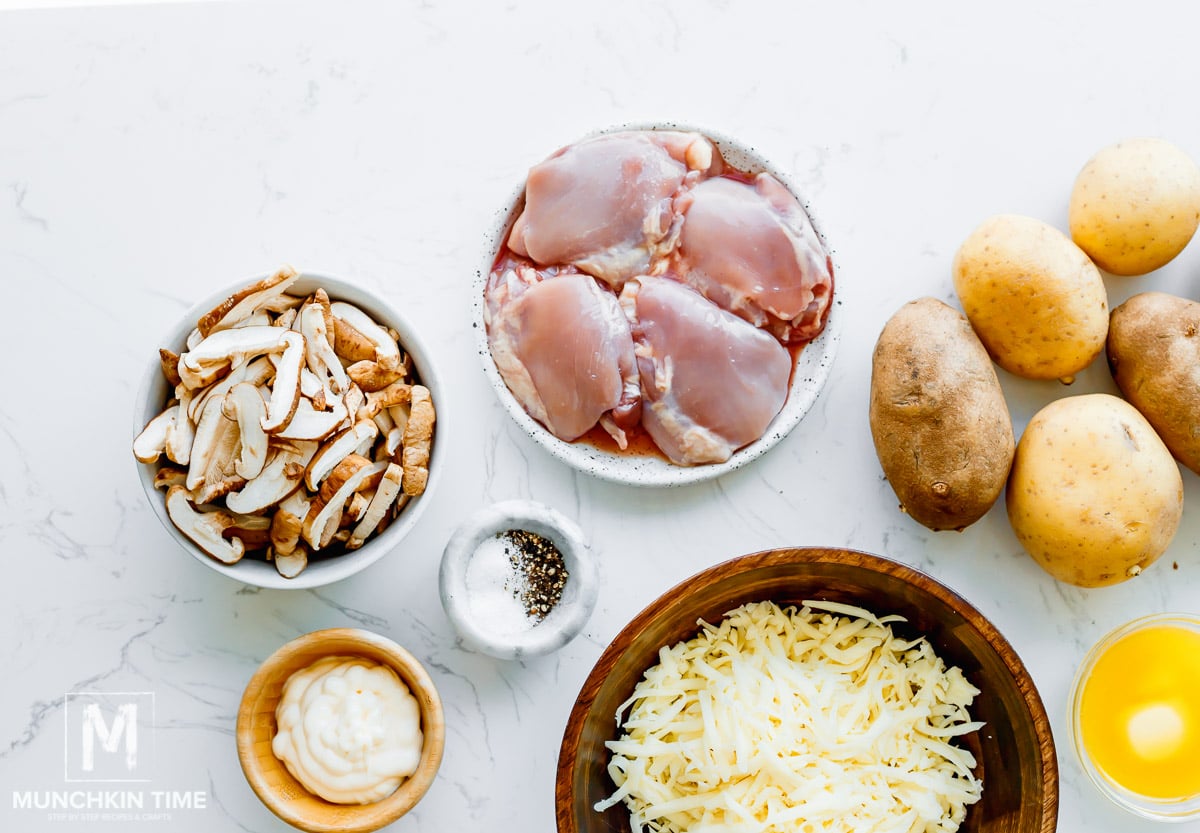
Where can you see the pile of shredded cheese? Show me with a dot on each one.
(796, 720)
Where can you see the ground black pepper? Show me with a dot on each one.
(540, 571)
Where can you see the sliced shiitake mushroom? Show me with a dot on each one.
(169, 361)
(285, 393)
(381, 501)
(254, 530)
(352, 474)
(150, 444)
(307, 423)
(204, 529)
(372, 376)
(291, 564)
(245, 302)
(279, 402)
(356, 439)
(387, 351)
(245, 405)
(182, 431)
(319, 353)
(169, 476)
(256, 372)
(278, 479)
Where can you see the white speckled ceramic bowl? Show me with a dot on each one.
(565, 619)
(320, 571)
(812, 367)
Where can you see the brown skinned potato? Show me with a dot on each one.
(1154, 355)
(941, 426)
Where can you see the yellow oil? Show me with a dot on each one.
(1140, 712)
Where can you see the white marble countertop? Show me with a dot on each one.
(150, 154)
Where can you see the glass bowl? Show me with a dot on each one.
(1185, 808)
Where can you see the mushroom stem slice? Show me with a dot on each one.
(418, 439)
(204, 529)
(285, 394)
(381, 501)
(394, 441)
(357, 508)
(354, 400)
(152, 441)
(387, 351)
(383, 421)
(286, 318)
(246, 301)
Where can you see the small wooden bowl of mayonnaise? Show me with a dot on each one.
(338, 677)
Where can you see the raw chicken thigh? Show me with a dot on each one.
(564, 349)
(606, 205)
(711, 382)
(751, 249)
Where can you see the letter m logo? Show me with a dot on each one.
(106, 735)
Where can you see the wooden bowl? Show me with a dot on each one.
(270, 779)
(1015, 750)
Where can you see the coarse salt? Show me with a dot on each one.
(494, 590)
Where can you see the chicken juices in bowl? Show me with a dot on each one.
(657, 306)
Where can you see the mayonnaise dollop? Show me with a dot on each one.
(349, 730)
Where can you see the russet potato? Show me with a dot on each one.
(1154, 355)
(938, 417)
(1135, 205)
(1035, 299)
(1094, 495)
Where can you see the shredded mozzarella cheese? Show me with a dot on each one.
(783, 720)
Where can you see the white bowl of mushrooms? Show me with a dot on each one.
(285, 436)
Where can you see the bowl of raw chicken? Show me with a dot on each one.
(657, 306)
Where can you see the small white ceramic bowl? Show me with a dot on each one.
(564, 620)
(809, 377)
(154, 393)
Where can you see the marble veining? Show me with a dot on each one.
(150, 154)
